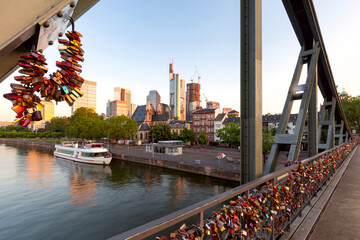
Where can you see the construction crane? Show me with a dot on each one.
(197, 74)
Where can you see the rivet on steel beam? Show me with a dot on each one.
(51, 42)
(60, 14)
(46, 24)
(72, 4)
(60, 34)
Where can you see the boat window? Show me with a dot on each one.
(65, 151)
(99, 154)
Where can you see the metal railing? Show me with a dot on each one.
(306, 190)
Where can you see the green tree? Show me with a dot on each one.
(121, 127)
(271, 130)
(351, 107)
(58, 125)
(267, 141)
(187, 135)
(175, 136)
(230, 134)
(15, 128)
(86, 124)
(160, 131)
(203, 138)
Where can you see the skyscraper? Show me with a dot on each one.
(123, 98)
(88, 100)
(192, 99)
(154, 99)
(177, 95)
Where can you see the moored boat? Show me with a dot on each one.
(94, 153)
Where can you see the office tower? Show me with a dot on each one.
(192, 99)
(47, 113)
(212, 104)
(88, 100)
(154, 99)
(117, 92)
(108, 108)
(177, 95)
(119, 108)
(123, 94)
(133, 108)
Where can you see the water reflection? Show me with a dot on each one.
(84, 179)
(39, 168)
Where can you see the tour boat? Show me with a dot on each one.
(94, 153)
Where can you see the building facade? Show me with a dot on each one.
(88, 100)
(47, 112)
(177, 126)
(177, 95)
(218, 124)
(226, 110)
(119, 108)
(203, 120)
(192, 99)
(154, 98)
(212, 104)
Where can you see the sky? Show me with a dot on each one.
(131, 43)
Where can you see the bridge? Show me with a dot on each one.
(268, 204)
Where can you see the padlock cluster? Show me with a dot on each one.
(63, 85)
(268, 210)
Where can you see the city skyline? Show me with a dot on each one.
(135, 51)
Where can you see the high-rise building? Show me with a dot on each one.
(123, 94)
(154, 99)
(133, 108)
(192, 99)
(117, 92)
(177, 95)
(88, 100)
(47, 113)
(108, 108)
(212, 104)
(119, 108)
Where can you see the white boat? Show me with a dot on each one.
(94, 153)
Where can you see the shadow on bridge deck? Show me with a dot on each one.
(339, 216)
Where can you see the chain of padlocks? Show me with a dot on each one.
(63, 85)
(267, 212)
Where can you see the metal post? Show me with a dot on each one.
(251, 90)
(313, 117)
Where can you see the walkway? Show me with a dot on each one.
(340, 217)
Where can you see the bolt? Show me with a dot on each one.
(60, 34)
(46, 24)
(51, 42)
(60, 14)
(40, 50)
(72, 4)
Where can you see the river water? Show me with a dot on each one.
(43, 197)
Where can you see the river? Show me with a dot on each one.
(43, 197)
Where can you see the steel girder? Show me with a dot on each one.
(296, 91)
(21, 21)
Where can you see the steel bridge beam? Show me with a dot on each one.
(21, 22)
(251, 91)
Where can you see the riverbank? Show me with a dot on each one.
(206, 163)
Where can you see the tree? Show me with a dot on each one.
(187, 135)
(267, 141)
(175, 136)
(271, 130)
(160, 131)
(351, 107)
(121, 127)
(176, 118)
(58, 125)
(86, 124)
(203, 138)
(230, 134)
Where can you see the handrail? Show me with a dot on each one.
(162, 223)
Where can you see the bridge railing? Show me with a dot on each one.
(264, 208)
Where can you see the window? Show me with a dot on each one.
(65, 151)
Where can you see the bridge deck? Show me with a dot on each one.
(340, 218)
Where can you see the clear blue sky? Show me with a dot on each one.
(130, 44)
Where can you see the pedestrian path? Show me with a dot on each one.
(340, 218)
